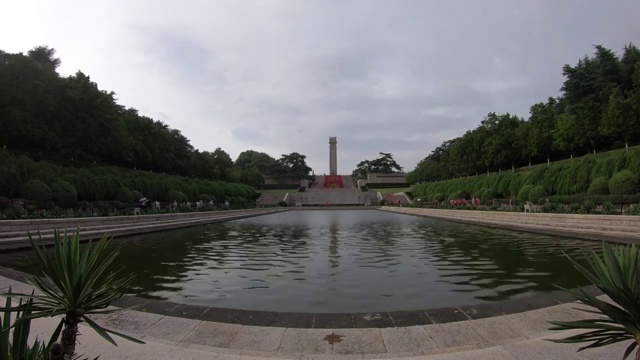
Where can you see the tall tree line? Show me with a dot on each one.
(71, 119)
(598, 110)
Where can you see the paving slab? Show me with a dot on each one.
(171, 328)
(212, 334)
(332, 357)
(446, 315)
(407, 339)
(566, 312)
(492, 353)
(410, 318)
(542, 350)
(308, 341)
(455, 335)
(131, 321)
(5, 283)
(497, 330)
(358, 341)
(258, 338)
(533, 324)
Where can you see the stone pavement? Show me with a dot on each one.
(520, 336)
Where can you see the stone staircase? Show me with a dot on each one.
(618, 228)
(270, 199)
(398, 199)
(14, 234)
(348, 182)
(331, 197)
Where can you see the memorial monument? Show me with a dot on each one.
(333, 156)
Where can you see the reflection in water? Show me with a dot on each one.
(341, 261)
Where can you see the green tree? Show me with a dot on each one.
(567, 134)
(620, 121)
(384, 164)
(293, 165)
(542, 120)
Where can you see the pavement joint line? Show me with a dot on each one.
(465, 314)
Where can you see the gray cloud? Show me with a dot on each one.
(280, 76)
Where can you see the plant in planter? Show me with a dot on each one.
(616, 273)
(75, 283)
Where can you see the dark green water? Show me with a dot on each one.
(341, 261)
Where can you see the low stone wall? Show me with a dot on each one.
(14, 233)
(613, 228)
(43, 224)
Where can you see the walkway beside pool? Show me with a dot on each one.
(520, 336)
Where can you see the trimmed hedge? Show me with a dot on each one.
(137, 195)
(177, 196)
(103, 183)
(536, 193)
(523, 194)
(599, 186)
(64, 194)
(623, 183)
(487, 196)
(38, 191)
(125, 196)
(596, 199)
(560, 178)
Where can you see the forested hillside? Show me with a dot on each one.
(598, 110)
(70, 120)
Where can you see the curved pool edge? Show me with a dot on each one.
(380, 319)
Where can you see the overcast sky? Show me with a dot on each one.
(282, 76)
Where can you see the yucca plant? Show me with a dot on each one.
(14, 346)
(616, 273)
(75, 283)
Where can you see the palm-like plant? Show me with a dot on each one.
(15, 346)
(75, 283)
(617, 274)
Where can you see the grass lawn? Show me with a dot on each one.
(390, 190)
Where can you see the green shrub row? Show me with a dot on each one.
(44, 182)
(595, 199)
(615, 173)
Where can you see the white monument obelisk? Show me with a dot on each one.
(333, 156)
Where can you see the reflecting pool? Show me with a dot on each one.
(341, 261)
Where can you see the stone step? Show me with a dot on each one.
(11, 234)
(127, 229)
(587, 234)
(570, 225)
(26, 224)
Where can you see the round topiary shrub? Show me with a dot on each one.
(4, 203)
(177, 196)
(284, 204)
(536, 193)
(623, 183)
(39, 192)
(456, 195)
(487, 196)
(9, 182)
(124, 195)
(383, 202)
(137, 195)
(523, 194)
(439, 197)
(64, 194)
(599, 186)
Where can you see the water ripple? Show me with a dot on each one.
(339, 261)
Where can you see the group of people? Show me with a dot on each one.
(145, 203)
(459, 202)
